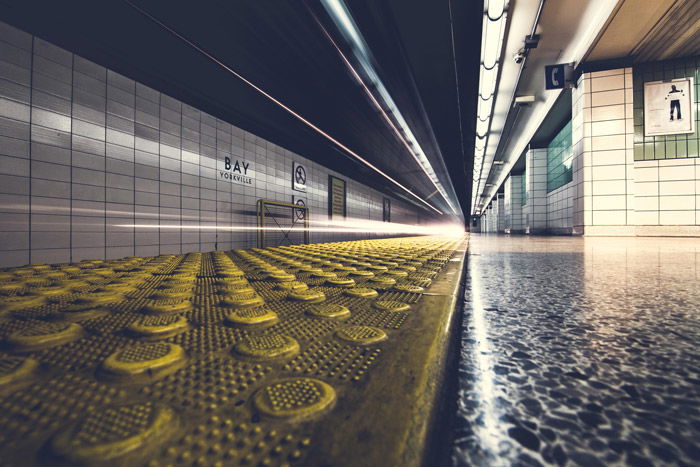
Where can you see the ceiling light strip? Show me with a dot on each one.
(486, 198)
(343, 20)
(494, 26)
(379, 108)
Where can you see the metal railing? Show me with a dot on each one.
(282, 223)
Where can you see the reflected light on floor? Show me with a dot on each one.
(490, 431)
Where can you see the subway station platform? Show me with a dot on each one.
(325, 354)
(148, 147)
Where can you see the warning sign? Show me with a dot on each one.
(299, 176)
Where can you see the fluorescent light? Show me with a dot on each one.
(493, 30)
(496, 8)
(492, 38)
(525, 99)
(483, 109)
(487, 81)
(482, 127)
(343, 20)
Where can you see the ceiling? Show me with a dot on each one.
(280, 46)
(650, 30)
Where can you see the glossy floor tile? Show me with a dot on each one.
(580, 351)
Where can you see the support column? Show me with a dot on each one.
(500, 213)
(491, 218)
(603, 139)
(513, 204)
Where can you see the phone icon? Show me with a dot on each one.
(555, 72)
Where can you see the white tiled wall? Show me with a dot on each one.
(667, 192)
(486, 220)
(560, 209)
(501, 213)
(513, 204)
(603, 131)
(95, 165)
(489, 219)
(535, 211)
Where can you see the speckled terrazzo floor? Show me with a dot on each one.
(580, 351)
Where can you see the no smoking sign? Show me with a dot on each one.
(299, 176)
(300, 214)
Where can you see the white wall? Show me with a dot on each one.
(535, 211)
(560, 209)
(513, 204)
(501, 213)
(603, 137)
(667, 193)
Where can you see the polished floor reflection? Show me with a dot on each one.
(580, 351)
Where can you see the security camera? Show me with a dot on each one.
(519, 56)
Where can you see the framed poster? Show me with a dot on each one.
(336, 197)
(386, 215)
(669, 107)
(299, 175)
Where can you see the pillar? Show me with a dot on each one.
(513, 204)
(535, 211)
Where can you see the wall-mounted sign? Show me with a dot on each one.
(386, 215)
(669, 107)
(236, 171)
(299, 214)
(336, 197)
(299, 176)
(558, 76)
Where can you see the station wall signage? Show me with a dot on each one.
(299, 214)
(299, 176)
(237, 171)
(386, 214)
(669, 107)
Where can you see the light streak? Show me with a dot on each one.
(340, 14)
(280, 104)
(491, 431)
(345, 226)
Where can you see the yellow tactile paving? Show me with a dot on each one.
(262, 357)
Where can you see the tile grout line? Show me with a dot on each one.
(180, 149)
(31, 104)
(70, 175)
(160, 218)
(134, 172)
(105, 248)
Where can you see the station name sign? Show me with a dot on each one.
(237, 171)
